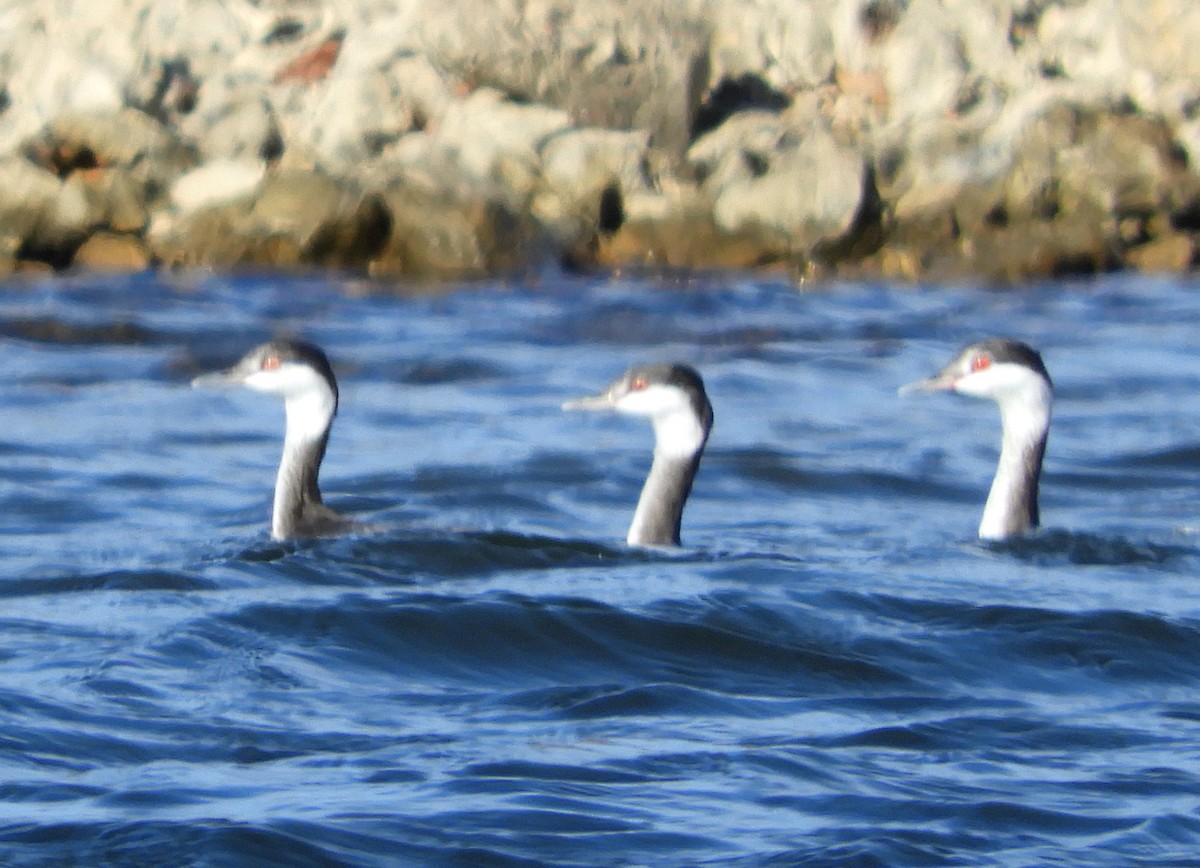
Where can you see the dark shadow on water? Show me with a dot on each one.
(1088, 549)
(406, 557)
(148, 579)
(784, 472)
(1186, 457)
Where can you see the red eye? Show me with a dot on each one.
(638, 384)
(981, 363)
(270, 363)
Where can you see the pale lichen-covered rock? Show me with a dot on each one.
(63, 225)
(233, 123)
(27, 196)
(788, 44)
(377, 91)
(72, 56)
(1056, 198)
(215, 183)
(293, 219)
(587, 175)
(206, 33)
(115, 199)
(613, 64)
(485, 129)
(797, 183)
(576, 161)
(120, 138)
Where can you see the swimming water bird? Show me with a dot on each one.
(300, 374)
(673, 398)
(1011, 374)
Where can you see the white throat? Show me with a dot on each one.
(309, 414)
(678, 433)
(1011, 506)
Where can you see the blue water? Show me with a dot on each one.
(833, 671)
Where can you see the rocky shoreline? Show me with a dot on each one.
(993, 140)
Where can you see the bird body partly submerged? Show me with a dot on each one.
(1013, 375)
(299, 373)
(674, 399)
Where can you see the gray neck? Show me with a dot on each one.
(298, 506)
(659, 510)
(1012, 504)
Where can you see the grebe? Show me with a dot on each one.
(673, 398)
(1011, 374)
(299, 373)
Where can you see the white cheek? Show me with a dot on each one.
(996, 381)
(286, 380)
(652, 401)
(677, 431)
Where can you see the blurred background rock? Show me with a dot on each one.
(998, 140)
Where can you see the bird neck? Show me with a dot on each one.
(678, 444)
(1012, 504)
(297, 493)
(659, 512)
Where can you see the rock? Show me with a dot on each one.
(578, 160)
(942, 60)
(1172, 254)
(207, 34)
(485, 148)
(616, 65)
(1123, 164)
(785, 44)
(681, 234)
(485, 129)
(62, 226)
(313, 64)
(96, 92)
(434, 236)
(123, 138)
(354, 239)
(297, 203)
(27, 194)
(216, 183)
(233, 122)
(111, 251)
(73, 56)
(586, 177)
(1028, 251)
(896, 137)
(294, 219)
(69, 211)
(796, 181)
(1054, 179)
(115, 200)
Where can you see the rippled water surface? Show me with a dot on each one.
(832, 671)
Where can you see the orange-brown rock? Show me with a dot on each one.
(112, 251)
(312, 65)
(1173, 253)
(685, 241)
(438, 236)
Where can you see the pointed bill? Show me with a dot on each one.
(603, 401)
(234, 376)
(942, 382)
